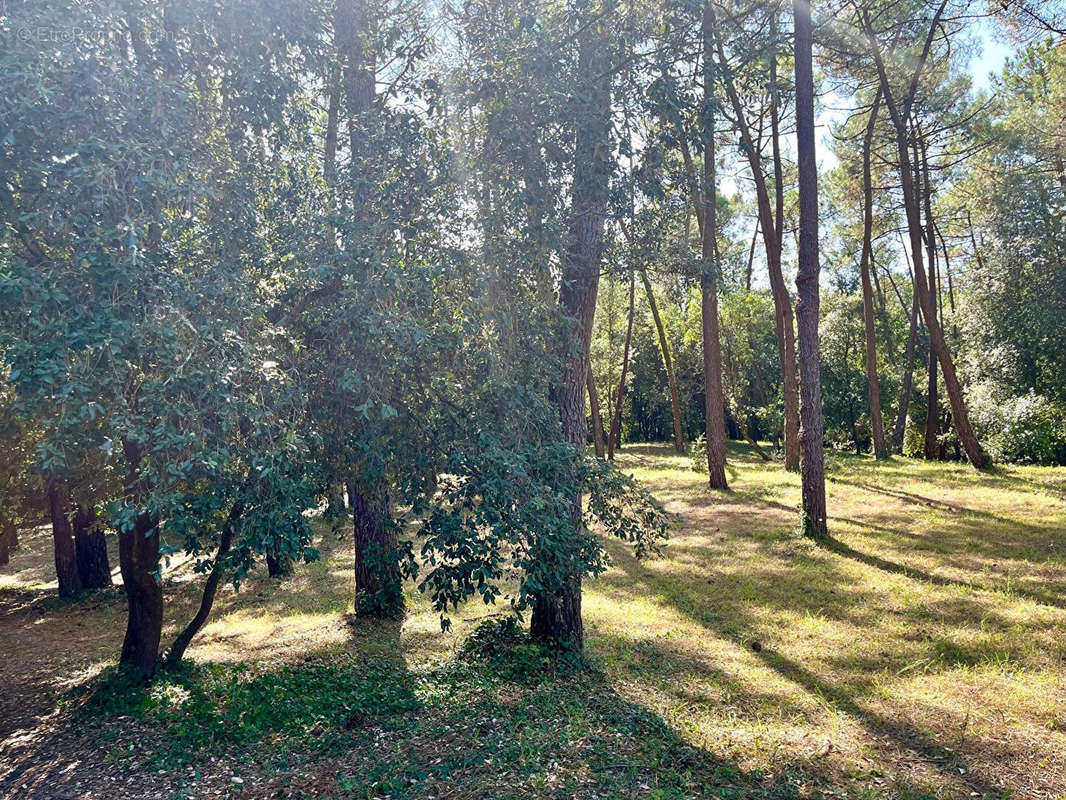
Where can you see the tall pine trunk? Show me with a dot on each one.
(872, 381)
(712, 346)
(556, 618)
(900, 113)
(784, 321)
(812, 468)
(932, 408)
(907, 385)
(668, 363)
(598, 437)
(614, 436)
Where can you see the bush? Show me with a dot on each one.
(698, 451)
(509, 651)
(1028, 429)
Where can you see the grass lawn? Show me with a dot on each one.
(919, 653)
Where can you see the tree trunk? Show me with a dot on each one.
(556, 617)
(908, 378)
(712, 347)
(743, 426)
(8, 537)
(138, 554)
(783, 317)
(352, 26)
(378, 585)
(876, 425)
(90, 546)
(598, 436)
(664, 346)
(66, 558)
(812, 469)
(932, 410)
(279, 565)
(207, 599)
(900, 115)
(614, 438)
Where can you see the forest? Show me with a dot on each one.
(533, 398)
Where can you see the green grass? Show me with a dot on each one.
(919, 653)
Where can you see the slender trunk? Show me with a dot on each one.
(90, 545)
(138, 552)
(598, 436)
(908, 378)
(775, 139)
(738, 417)
(66, 560)
(751, 257)
(353, 25)
(784, 323)
(792, 435)
(207, 599)
(8, 532)
(556, 618)
(959, 413)
(876, 426)
(922, 185)
(378, 584)
(329, 158)
(664, 346)
(812, 469)
(614, 439)
(712, 346)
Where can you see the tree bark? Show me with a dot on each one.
(876, 425)
(784, 323)
(556, 619)
(138, 552)
(8, 532)
(899, 115)
(60, 508)
(932, 409)
(908, 378)
(712, 346)
(90, 546)
(378, 585)
(614, 438)
(279, 565)
(352, 27)
(598, 436)
(664, 346)
(812, 469)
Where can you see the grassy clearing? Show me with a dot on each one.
(920, 653)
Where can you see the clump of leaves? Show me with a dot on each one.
(505, 648)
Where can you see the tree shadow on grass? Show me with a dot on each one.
(735, 617)
(840, 548)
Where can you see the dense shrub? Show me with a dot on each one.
(1028, 429)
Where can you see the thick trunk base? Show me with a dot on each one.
(66, 558)
(556, 620)
(90, 547)
(139, 561)
(378, 584)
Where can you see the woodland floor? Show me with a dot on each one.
(920, 653)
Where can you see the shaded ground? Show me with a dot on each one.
(920, 653)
